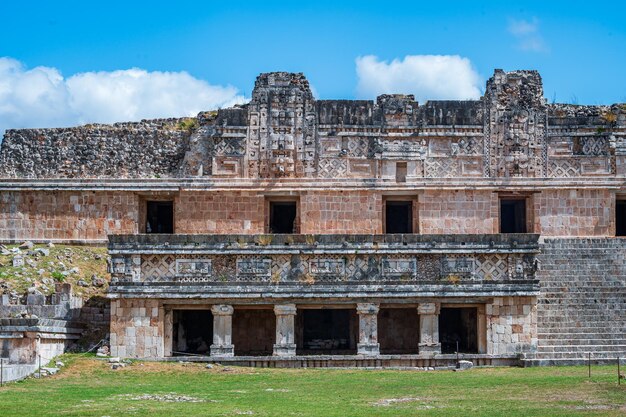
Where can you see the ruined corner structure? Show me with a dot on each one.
(343, 287)
(37, 330)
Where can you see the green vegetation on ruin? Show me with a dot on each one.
(63, 263)
(190, 124)
(88, 387)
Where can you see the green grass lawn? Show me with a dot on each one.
(88, 387)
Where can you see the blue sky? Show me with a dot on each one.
(578, 47)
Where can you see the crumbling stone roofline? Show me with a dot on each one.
(283, 132)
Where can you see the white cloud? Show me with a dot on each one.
(428, 77)
(42, 97)
(527, 34)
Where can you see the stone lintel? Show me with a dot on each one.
(367, 308)
(285, 309)
(222, 310)
(428, 308)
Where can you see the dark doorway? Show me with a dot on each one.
(398, 331)
(399, 217)
(327, 332)
(458, 324)
(254, 332)
(513, 216)
(282, 216)
(193, 332)
(620, 218)
(160, 217)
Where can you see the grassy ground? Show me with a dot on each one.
(58, 266)
(88, 387)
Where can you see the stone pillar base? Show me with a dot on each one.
(285, 350)
(368, 349)
(224, 351)
(430, 349)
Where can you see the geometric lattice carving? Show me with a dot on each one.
(441, 168)
(563, 168)
(591, 146)
(356, 147)
(158, 267)
(492, 267)
(470, 146)
(332, 168)
(229, 147)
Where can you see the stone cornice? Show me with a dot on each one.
(262, 186)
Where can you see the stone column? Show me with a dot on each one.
(222, 331)
(285, 330)
(368, 329)
(429, 329)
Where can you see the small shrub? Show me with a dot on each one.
(58, 276)
(189, 124)
(264, 240)
(609, 117)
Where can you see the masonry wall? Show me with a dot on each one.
(66, 216)
(511, 325)
(92, 215)
(458, 212)
(137, 328)
(220, 212)
(347, 212)
(575, 213)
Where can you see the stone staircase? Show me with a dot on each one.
(582, 306)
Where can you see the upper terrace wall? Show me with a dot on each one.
(283, 132)
(66, 215)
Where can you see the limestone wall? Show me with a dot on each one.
(220, 212)
(66, 215)
(337, 212)
(137, 328)
(458, 212)
(575, 213)
(511, 325)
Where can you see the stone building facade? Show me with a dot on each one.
(292, 231)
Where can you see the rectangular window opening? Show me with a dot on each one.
(283, 216)
(399, 217)
(513, 216)
(159, 217)
(620, 218)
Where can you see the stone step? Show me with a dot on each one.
(543, 360)
(581, 348)
(582, 329)
(581, 342)
(580, 355)
(579, 336)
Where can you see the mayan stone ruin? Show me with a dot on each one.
(296, 232)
